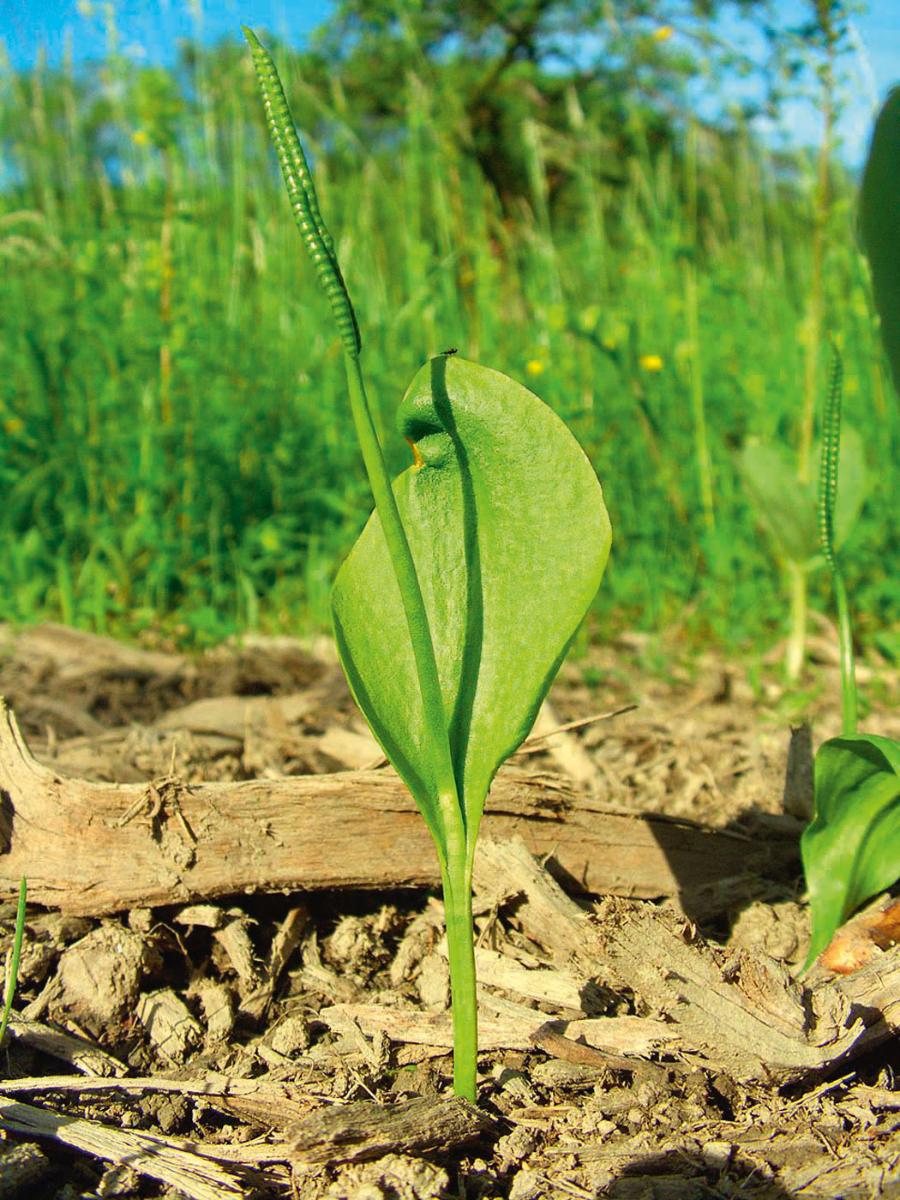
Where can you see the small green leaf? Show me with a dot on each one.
(785, 507)
(879, 224)
(854, 486)
(510, 537)
(788, 509)
(851, 848)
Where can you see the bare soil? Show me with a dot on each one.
(295, 1041)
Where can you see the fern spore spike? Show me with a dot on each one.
(828, 486)
(302, 193)
(828, 467)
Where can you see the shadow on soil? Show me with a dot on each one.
(686, 1175)
(720, 871)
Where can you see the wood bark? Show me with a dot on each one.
(94, 848)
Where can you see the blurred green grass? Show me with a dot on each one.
(175, 448)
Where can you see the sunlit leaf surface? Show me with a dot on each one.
(851, 849)
(510, 537)
(879, 223)
(788, 509)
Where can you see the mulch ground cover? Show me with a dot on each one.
(234, 981)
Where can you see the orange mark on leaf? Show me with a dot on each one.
(418, 460)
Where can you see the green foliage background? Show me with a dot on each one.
(175, 447)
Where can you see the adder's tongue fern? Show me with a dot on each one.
(491, 571)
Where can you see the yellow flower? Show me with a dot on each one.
(534, 366)
(141, 137)
(662, 33)
(651, 362)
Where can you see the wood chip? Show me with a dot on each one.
(197, 1177)
(169, 1023)
(78, 1052)
(513, 1027)
(549, 985)
(738, 1012)
(234, 938)
(218, 1009)
(566, 750)
(365, 1130)
(354, 749)
(862, 939)
(206, 916)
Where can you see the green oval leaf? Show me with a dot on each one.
(851, 848)
(787, 509)
(879, 224)
(853, 483)
(510, 537)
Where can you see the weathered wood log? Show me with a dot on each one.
(94, 848)
(76, 654)
(737, 1012)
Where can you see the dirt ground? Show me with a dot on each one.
(295, 1042)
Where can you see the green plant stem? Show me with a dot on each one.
(413, 605)
(457, 881)
(698, 408)
(13, 974)
(796, 648)
(454, 848)
(848, 664)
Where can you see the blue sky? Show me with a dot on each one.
(149, 32)
(146, 30)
